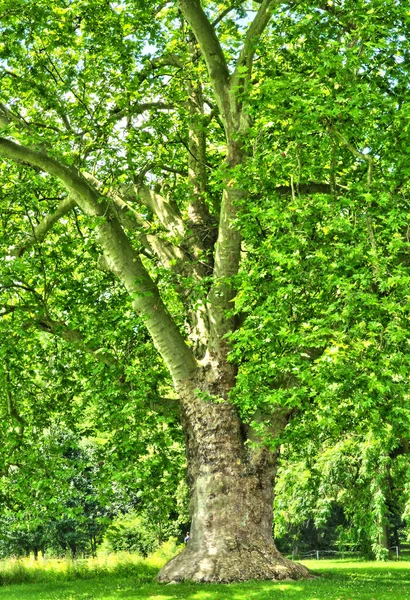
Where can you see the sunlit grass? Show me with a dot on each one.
(129, 577)
(28, 570)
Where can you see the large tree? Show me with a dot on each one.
(137, 123)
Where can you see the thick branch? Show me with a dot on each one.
(7, 117)
(129, 218)
(121, 258)
(69, 176)
(159, 205)
(200, 219)
(172, 257)
(210, 49)
(227, 257)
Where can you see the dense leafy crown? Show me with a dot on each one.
(113, 102)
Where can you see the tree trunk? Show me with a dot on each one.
(231, 502)
(384, 536)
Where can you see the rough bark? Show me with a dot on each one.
(231, 498)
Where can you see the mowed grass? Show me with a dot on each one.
(337, 580)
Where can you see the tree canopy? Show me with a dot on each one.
(204, 231)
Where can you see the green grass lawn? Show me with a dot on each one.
(339, 580)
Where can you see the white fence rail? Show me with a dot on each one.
(317, 554)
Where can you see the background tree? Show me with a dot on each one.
(351, 495)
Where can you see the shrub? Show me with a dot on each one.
(131, 533)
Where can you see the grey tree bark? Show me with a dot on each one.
(231, 497)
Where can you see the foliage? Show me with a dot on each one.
(72, 514)
(360, 479)
(59, 514)
(132, 534)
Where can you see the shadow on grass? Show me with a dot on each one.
(335, 583)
